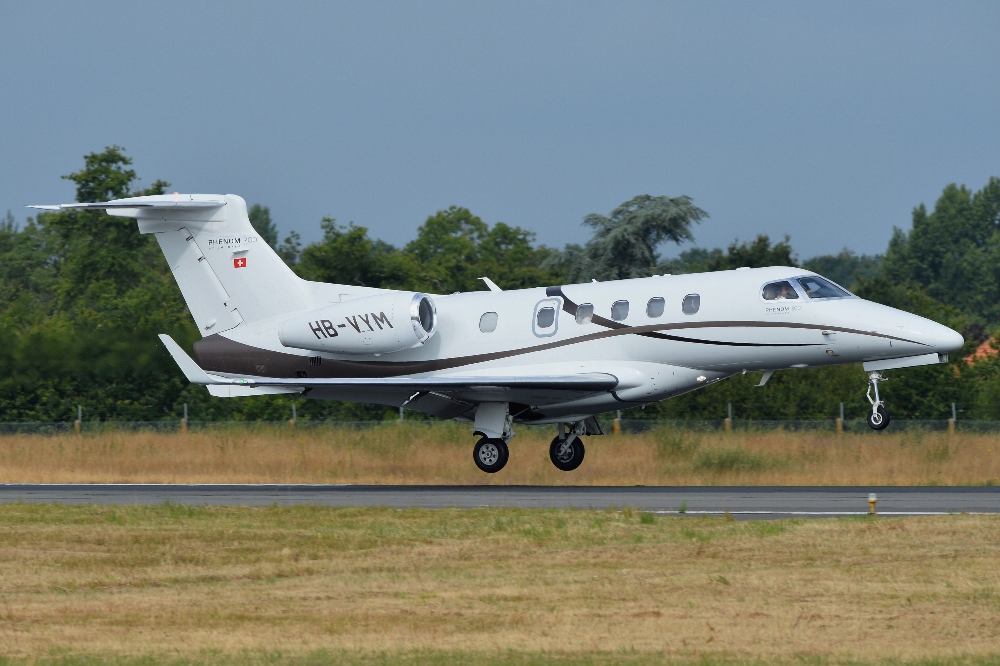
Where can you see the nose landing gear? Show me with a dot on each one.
(878, 418)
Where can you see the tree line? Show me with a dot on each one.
(83, 295)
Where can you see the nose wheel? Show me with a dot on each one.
(878, 418)
(490, 455)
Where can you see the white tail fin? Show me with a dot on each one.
(226, 272)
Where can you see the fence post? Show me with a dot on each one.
(840, 420)
(729, 417)
(951, 421)
(294, 416)
(184, 421)
(400, 413)
(618, 423)
(79, 419)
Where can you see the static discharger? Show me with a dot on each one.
(872, 499)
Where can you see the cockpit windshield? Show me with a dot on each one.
(817, 287)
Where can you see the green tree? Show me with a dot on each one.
(757, 253)
(346, 255)
(694, 260)
(953, 252)
(260, 220)
(625, 242)
(454, 248)
(845, 268)
(104, 176)
(290, 248)
(107, 270)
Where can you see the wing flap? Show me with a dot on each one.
(595, 381)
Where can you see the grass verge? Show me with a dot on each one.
(177, 584)
(438, 658)
(441, 454)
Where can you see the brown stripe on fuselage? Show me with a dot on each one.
(219, 354)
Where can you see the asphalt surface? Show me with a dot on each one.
(742, 502)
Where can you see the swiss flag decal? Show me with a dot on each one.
(240, 262)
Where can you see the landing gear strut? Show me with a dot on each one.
(566, 451)
(878, 418)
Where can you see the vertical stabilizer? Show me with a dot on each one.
(227, 273)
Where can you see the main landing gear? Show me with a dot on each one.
(490, 454)
(878, 418)
(566, 451)
(494, 423)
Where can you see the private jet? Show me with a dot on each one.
(557, 354)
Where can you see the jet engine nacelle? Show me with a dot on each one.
(372, 325)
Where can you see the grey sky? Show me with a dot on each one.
(828, 122)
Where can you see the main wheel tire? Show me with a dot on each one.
(566, 454)
(879, 419)
(490, 455)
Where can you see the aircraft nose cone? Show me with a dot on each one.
(947, 340)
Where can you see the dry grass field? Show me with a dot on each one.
(305, 585)
(442, 454)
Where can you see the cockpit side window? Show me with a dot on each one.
(817, 287)
(779, 291)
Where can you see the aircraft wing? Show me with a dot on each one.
(596, 381)
(393, 390)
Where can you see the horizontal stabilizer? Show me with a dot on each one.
(144, 203)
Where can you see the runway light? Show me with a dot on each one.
(872, 498)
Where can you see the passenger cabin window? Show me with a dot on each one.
(779, 291)
(584, 313)
(654, 308)
(546, 317)
(619, 310)
(817, 287)
(691, 304)
(488, 322)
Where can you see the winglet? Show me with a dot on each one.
(491, 284)
(191, 370)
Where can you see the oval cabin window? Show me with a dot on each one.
(488, 322)
(691, 304)
(546, 317)
(584, 313)
(654, 308)
(619, 310)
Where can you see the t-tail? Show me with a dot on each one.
(226, 272)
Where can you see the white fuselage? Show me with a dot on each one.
(654, 357)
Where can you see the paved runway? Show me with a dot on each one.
(742, 502)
